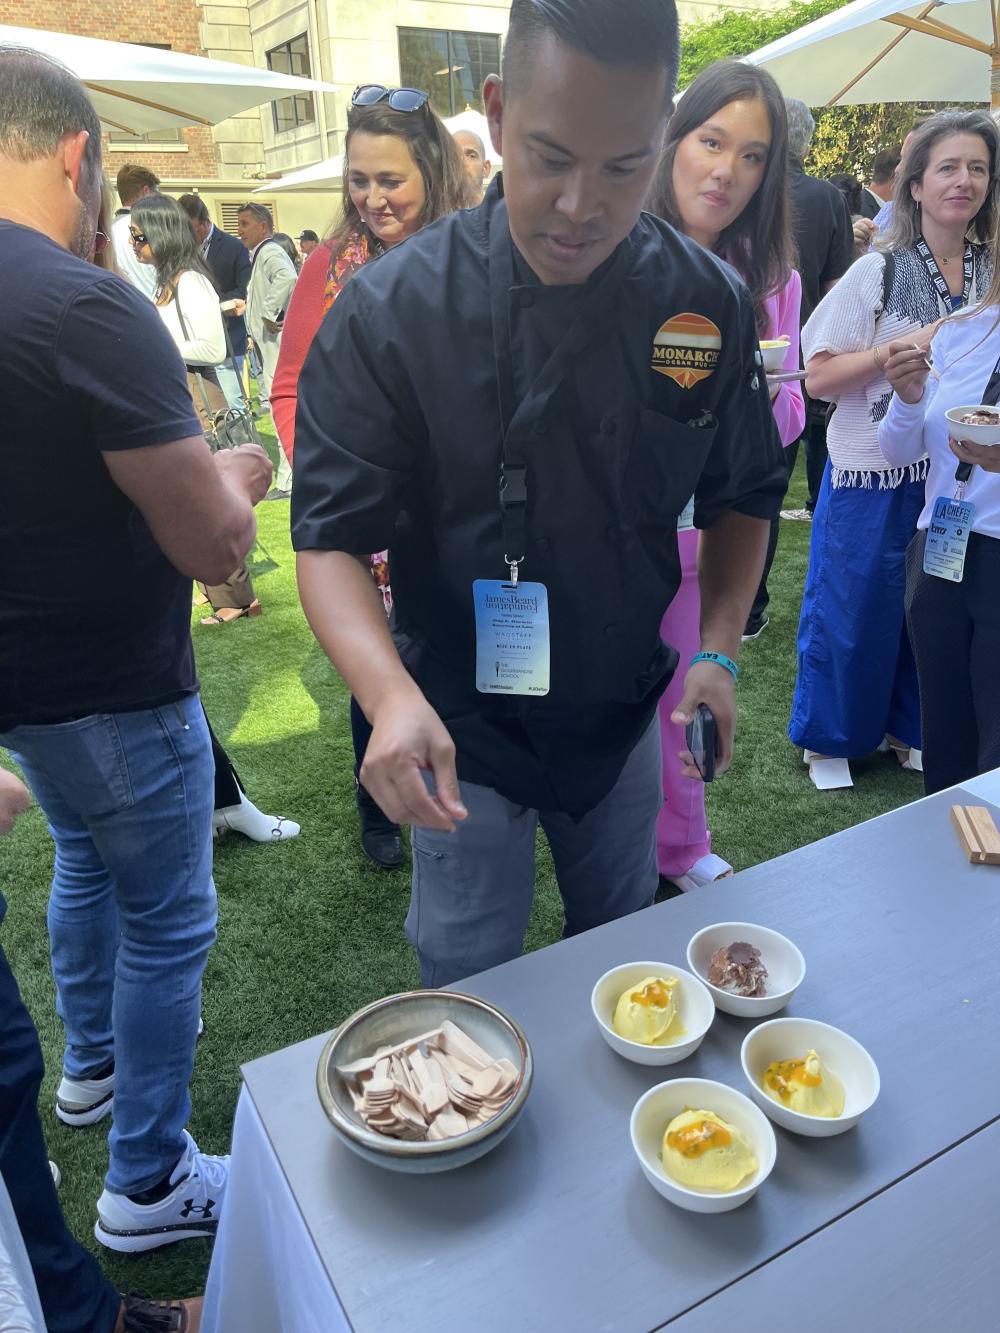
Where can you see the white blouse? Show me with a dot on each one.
(964, 352)
(201, 336)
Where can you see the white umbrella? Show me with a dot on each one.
(331, 171)
(138, 88)
(877, 51)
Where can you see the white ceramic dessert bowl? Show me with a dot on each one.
(774, 357)
(694, 1007)
(656, 1108)
(786, 968)
(391, 1021)
(960, 430)
(847, 1059)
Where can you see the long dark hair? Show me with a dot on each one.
(446, 186)
(167, 228)
(758, 243)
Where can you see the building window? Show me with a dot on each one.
(151, 136)
(451, 66)
(292, 58)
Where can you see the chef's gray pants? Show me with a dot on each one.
(473, 889)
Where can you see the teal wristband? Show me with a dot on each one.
(719, 659)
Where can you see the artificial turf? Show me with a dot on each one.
(309, 930)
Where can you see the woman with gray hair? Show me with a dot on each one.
(856, 689)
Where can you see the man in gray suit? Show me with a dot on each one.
(272, 277)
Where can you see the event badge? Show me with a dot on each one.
(948, 538)
(685, 519)
(512, 637)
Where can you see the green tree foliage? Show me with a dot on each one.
(847, 137)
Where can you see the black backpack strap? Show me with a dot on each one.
(888, 274)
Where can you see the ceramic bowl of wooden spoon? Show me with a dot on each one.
(425, 1081)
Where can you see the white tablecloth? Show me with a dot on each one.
(266, 1276)
(20, 1311)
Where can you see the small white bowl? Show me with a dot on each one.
(786, 968)
(774, 357)
(694, 1005)
(654, 1111)
(789, 1039)
(959, 430)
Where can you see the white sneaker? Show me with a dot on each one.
(191, 1208)
(797, 515)
(84, 1101)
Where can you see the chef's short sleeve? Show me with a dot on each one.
(745, 469)
(355, 428)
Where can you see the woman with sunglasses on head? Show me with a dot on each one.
(189, 306)
(234, 811)
(723, 183)
(856, 689)
(401, 172)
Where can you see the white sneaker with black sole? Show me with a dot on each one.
(84, 1101)
(191, 1209)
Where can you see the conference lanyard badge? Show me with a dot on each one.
(512, 636)
(948, 538)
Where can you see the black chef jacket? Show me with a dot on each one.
(628, 394)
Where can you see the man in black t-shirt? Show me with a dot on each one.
(108, 483)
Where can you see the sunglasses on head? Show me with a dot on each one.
(138, 238)
(399, 99)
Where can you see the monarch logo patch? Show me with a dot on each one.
(687, 349)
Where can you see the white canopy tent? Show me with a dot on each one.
(138, 88)
(877, 51)
(330, 172)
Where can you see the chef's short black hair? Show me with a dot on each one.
(615, 32)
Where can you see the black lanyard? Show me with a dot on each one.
(589, 322)
(990, 398)
(951, 303)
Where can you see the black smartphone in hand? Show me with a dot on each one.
(700, 736)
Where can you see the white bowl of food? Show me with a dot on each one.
(775, 1055)
(678, 1028)
(979, 424)
(713, 953)
(773, 352)
(747, 1158)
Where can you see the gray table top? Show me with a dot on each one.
(557, 1229)
(923, 1256)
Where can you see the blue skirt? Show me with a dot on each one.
(856, 676)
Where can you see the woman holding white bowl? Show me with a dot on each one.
(856, 688)
(953, 597)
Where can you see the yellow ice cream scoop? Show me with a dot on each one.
(804, 1086)
(705, 1152)
(647, 1013)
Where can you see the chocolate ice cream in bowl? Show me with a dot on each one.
(749, 970)
(979, 424)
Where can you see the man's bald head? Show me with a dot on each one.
(472, 151)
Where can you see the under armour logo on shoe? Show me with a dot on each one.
(191, 1207)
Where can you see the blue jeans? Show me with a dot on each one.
(128, 798)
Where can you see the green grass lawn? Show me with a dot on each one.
(309, 930)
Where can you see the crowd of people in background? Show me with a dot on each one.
(646, 518)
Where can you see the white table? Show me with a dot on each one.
(901, 937)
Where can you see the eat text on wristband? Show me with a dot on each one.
(720, 659)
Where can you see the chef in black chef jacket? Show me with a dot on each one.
(519, 402)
